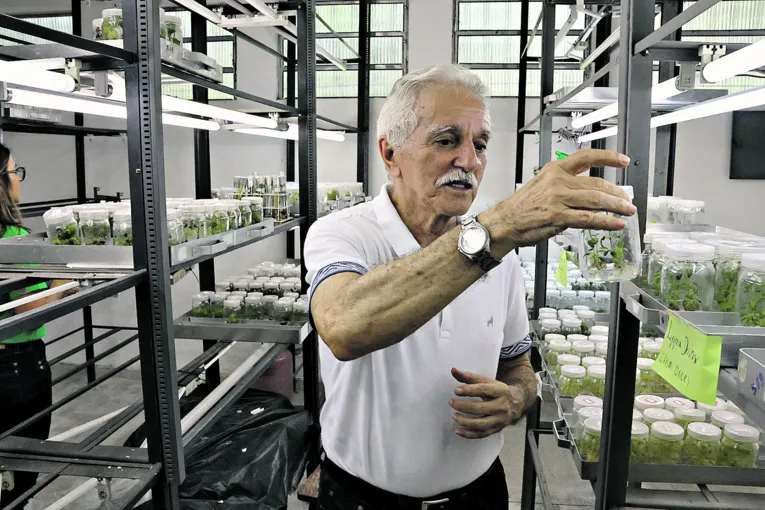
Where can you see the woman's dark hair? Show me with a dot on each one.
(9, 210)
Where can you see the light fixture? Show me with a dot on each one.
(193, 6)
(739, 62)
(659, 92)
(291, 133)
(102, 108)
(730, 103)
(29, 76)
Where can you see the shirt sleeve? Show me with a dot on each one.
(516, 332)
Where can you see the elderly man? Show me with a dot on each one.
(422, 312)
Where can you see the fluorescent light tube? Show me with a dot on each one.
(291, 133)
(192, 5)
(730, 103)
(659, 92)
(101, 108)
(738, 62)
(215, 112)
(35, 78)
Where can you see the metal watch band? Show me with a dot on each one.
(486, 261)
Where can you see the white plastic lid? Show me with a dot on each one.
(644, 363)
(233, 301)
(654, 414)
(689, 414)
(720, 405)
(600, 330)
(547, 309)
(597, 372)
(554, 337)
(593, 425)
(742, 433)
(637, 415)
(551, 323)
(585, 314)
(579, 308)
(559, 346)
(553, 292)
(568, 293)
(753, 260)
(576, 337)
(582, 346)
(685, 251)
(734, 408)
(737, 248)
(601, 348)
(723, 418)
(602, 294)
(94, 214)
(543, 316)
(585, 294)
(565, 312)
(704, 431)
(643, 339)
(105, 13)
(598, 339)
(667, 430)
(639, 430)
(582, 401)
(252, 299)
(674, 403)
(643, 402)
(571, 322)
(173, 19)
(629, 191)
(172, 214)
(270, 298)
(121, 215)
(652, 347)
(694, 204)
(586, 413)
(589, 361)
(573, 371)
(568, 359)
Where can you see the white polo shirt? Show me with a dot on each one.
(387, 418)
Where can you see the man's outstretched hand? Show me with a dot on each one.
(501, 405)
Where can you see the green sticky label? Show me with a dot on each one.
(562, 273)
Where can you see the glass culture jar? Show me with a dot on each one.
(750, 296)
(701, 446)
(639, 451)
(268, 301)
(580, 308)
(216, 219)
(691, 212)
(589, 445)
(637, 415)
(553, 297)
(719, 405)
(547, 309)
(241, 284)
(111, 26)
(647, 376)
(665, 443)
(576, 338)
(175, 233)
(194, 222)
(253, 308)
(566, 359)
(200, 305)
(589, 361)
(612, 255)
(232, 310)
(300, 312)
(529, 295)
(656, 263)
(588, 321)
(685, 416)
(602, 301)
(567, 299)
(553, 349)
(245, 212)
(564, 313)
(256, 206)
(549, 326)
(553, 337)
(587, 298)
(571, 326)
(254, 286)
(223, 286)
(643, 402)
(595, 381)
(723, 418)
(651, 350)
(740, 446)
(571, 382)
(292, 295)
(271, 288)
(601, 349)
(543, 316)
(216, 304)
(122, 227)
(286, 288)
(584, 402)
(687, 279)
(675, 403)
(283, 311)
(95, 228)
(655, 414)
(582, 415)
(600, 330)
(581, 348)
(727, 269)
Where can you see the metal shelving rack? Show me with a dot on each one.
(160, 468)
(616, 484)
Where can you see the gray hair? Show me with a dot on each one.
(398, 117)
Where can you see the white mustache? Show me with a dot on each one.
(456, 175)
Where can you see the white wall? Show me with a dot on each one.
(703, 150)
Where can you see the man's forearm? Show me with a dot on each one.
(356, 315)
(519, 372)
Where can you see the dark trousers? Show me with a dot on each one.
(339, 490)
(25, 390)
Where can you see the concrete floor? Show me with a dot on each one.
(568, 491)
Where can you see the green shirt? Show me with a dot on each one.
(27, 336)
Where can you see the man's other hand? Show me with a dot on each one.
(501, 405)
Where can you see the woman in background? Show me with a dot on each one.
(25, 376)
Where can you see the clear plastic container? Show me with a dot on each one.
(601, 349)
(568, 299)
(194, 222)
(223, 286)
(241, 284)
(727, 270)
(643, 402)
(61, 227)
(690, 212)
(268, 302)
(111, 26)
(549, 326)
(701, 446)
(245, 213)
(595, 381)
(283, 311)
(566, 313)
(685, 416)
(547, 309)
(543, 316)
(232, 310)
(723, 418)
(234, 216)
(588, 321)
(174, 29)
(553, 297)
(600, 330)
(612, 255)
(286, 288)
(122, 228)
(639, 445)
(216, 305)
(585, 406)
(750, 295)
(656, 263)
(175, 233)
(665, 444)
(587, 298)
(271, 289)
(216, 218)
(571, 382)
(581, 347)
(95, 228)
(200, 305)
(553, 349)
(571, 326)
(602, 301)
(687, 278)
(656, 211)
(589, 444)
(654, 414)
(300, 312)
(256, 206)
(675, 403)
(566, 359)
(739, 446)
(589, 361)
(651, 350)
(253, 308)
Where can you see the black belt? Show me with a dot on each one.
(458, 498)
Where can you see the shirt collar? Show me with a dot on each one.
(395, 231)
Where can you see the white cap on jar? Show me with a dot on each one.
(551, 323)
(723, 418)
(685, 251)
(565, 313)
(675, 403)
(667, 430)
(742, 433)
(589, 361)
(573, 371)
(597, 372)
(593, 425)
(654, 414)
(644, 363)
(547, 316)
(554, 337)
(690, 415)
(601, 348)
(582, 346)
(571, 322)
(600, 330)
(753, 260)
(586, 294)
(559, 346)
(720, 405)
(547, 309)
(568, 359)
(576, 337)
(643, 402)
(704, 432)
(639, 430)
(580, 308)
(590, 412)
(652, 347)
(637, 415)
(582, 401)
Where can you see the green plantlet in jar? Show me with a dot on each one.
(123, 239)
(681, 292)
(735, 454)
(753, 312)
(257, 216)
(656, 283)
(96, 234)
(571, 387)
(589, 447)
(586, 331)
(216, 310)
(66, 235)
(233, 318)
(725, 291)
(640, 451)
(660, 451)
(333, 194)
(200, 311)
(700, 453)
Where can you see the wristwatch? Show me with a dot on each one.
(474, 244)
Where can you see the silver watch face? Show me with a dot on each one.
(473, 240)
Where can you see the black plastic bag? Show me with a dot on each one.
(244, 460)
